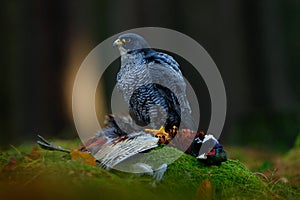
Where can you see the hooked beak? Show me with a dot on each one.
(117, 43)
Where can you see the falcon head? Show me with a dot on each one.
(129, 42)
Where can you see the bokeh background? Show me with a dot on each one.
(255, 44)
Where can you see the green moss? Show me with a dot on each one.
(54, 175)
(229, 180)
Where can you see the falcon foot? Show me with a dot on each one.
(163, 136)
(44, 144)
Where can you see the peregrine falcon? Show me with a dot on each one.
(154, 89)
(152, 85)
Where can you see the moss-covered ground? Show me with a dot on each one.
(31, 173)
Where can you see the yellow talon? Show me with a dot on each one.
(161, 134)
(155, 132)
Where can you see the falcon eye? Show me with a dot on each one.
(126, 40)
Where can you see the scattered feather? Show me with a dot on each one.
(84, 157)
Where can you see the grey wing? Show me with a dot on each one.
(173, 79)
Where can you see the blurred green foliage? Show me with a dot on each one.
(297, 143)
(275, 131)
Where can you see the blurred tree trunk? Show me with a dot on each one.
(277, 83)
(38, 39)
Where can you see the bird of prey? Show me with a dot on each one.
(153, 87)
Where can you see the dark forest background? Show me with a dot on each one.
(255, 44)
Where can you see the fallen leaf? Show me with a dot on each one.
(11, 165)
(35, 154)
(83, 157)
(71, 172)
(205, 190)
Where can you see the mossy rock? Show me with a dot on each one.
(184, 177)
(54, 176)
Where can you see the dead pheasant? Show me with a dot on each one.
(111, 147)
